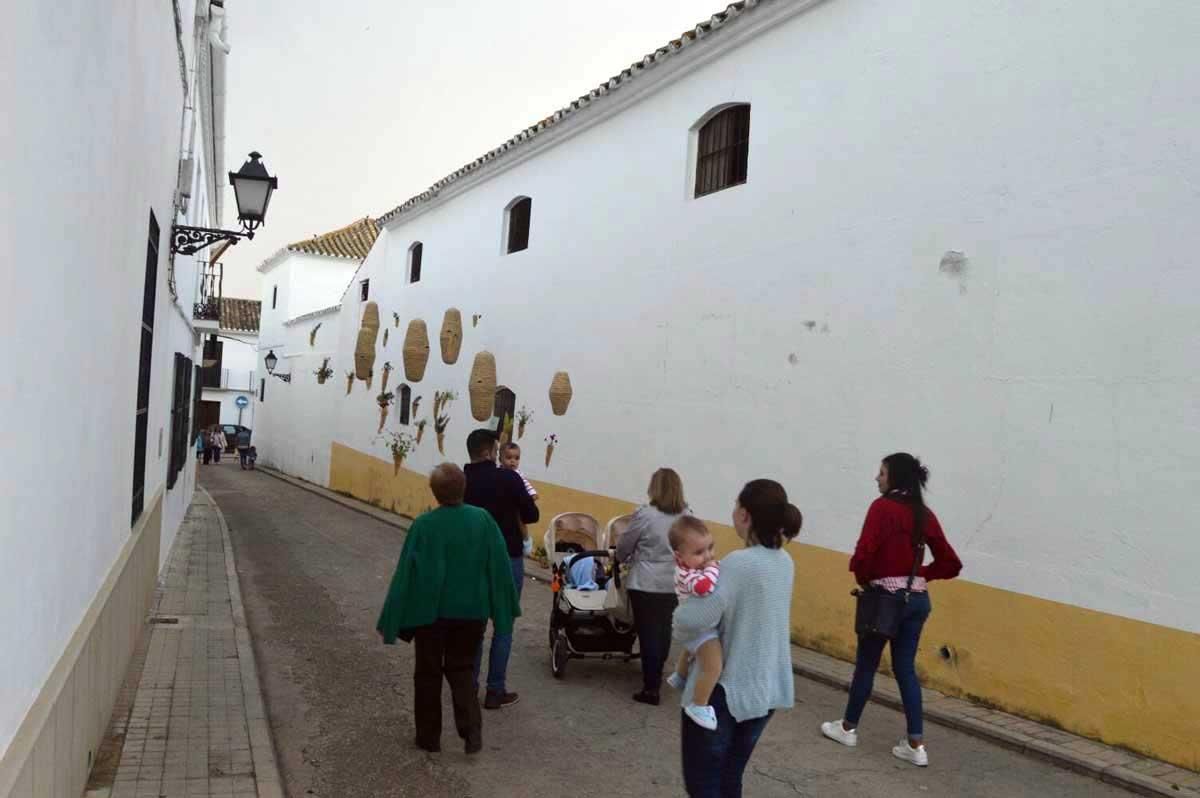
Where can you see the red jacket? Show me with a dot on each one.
(885, 545)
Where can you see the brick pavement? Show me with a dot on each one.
(190, 720)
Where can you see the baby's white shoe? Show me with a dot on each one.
(704, 717)
(675, 681)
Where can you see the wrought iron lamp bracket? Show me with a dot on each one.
(187, 240)
(285, 377)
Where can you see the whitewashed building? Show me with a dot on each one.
(806, 235)
(114, 132)
(230, 384)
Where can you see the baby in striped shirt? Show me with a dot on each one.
(696, 574)
(510, 458)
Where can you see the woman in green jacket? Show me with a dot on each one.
(453, 575)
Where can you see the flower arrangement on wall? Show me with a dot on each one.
(441, 420)
(439, 426)
(420, 425)
(312, 336)
(385, 336)
(370, 378)
(400, 444)
(349, 382)
(416, 405)
(325, 373)
(551, 442)
(396, 318)
(524, 416)
(384, 400)
(475, 319)
(387, 373)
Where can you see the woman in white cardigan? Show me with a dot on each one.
(751, 608)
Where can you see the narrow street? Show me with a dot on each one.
(313, 574)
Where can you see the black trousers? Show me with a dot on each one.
(652, 618)
(446, 649)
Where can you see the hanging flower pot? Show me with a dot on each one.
(349, 382)
(325, 373)
(483, 386)
(451, 336)
(524, 416)
(416, 350)
(421, 429)
(551, 442)
(384, 400)
(560, 393)
(387, 373)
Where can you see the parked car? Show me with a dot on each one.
(231, 432)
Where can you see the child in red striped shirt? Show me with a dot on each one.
(696, 574)
(510, 458)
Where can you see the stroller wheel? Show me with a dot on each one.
(559, 654)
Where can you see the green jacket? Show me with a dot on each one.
(454, 565)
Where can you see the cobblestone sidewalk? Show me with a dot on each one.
(190, 719)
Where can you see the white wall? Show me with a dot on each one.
(95, 101)
(799, 327)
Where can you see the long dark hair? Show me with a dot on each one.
(773, 520)
(906, 479)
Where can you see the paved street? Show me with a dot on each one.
(313, 575)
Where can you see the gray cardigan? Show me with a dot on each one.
(751, 609)
(644, 545)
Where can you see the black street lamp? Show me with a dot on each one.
(271, 360)
(252, 187)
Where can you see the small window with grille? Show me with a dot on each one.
(723, 150)
(516, 223)
(364, 290)
(415, 253)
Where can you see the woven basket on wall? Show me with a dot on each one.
(483, 386)
(560, 393)
(451, 336)
(364, 348)
(416, 351)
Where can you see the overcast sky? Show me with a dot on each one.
(356, 105)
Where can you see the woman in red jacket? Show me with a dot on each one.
(897, 531)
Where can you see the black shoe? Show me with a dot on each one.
(499, 700)
(434, 748)
(646, 697)
(474, 744)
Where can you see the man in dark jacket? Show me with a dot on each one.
(502, 493)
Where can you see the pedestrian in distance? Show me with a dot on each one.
(751, 608)
(453, 575)
(216, 442)
(243, 446)
(503, 494)
(201, 447)
(646, 546)
(889, 557)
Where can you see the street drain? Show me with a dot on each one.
(164, 619)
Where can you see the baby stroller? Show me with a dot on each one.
(586, 623)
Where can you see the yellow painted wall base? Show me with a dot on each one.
(1114, 679)
(51, 753)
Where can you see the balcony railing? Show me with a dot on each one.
(228, 379)
(208, 292)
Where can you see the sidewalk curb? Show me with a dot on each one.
(262, 747)
(1088, 757)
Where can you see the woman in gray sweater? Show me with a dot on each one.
(751, 609)
(651, 582)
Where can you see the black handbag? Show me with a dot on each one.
(879, 611)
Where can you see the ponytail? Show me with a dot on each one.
(906, 479)
(773, 520)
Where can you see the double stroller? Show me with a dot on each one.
(589, 613)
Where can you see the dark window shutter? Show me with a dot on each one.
(723, 151)
(418, 249)
(518, 225)
(145, 357)
(405, 403)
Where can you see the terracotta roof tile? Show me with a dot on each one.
(240, 314)
(651, 59)
(352, 241)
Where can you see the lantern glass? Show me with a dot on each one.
(271, 360)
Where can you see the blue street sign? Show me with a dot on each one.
(241, 401)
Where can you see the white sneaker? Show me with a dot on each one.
(917, 755)
(676, 681)
(704, 717)
(835, 731)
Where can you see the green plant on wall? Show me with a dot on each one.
(384, 400)
(325, 373)
(420, 425)
(349, 382)
(524, 416)
(401, 445)
(312, 336)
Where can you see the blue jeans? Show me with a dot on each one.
(904, 656)
(501, 644)
(714, 761)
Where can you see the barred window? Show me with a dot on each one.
(145, 357)
(181, 405)
(517, 219)
(723, 150)
(415, 253)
